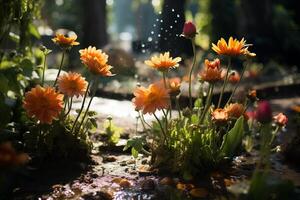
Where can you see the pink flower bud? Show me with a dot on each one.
(280, 119)
(189, 30)
(263, 112)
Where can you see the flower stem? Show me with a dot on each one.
(165, 80)
(70, 106)
(191, 73)
(207, 103)
(161, 127)
(88, 107)
(178, 106)
(60, 67)
(82, 106)
(237, 85)
(44, 67)
(225, 82)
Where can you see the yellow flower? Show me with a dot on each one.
(43, 103)
(211, 72)
(163, 62)
(234, 47)
(96, 61)
(64, 41)
(72, 84)
(155, 97)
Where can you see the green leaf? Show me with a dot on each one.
(233, 138)
(3, 84)
(14, 37)
(134, 152)
(198, 103)
(33, 31)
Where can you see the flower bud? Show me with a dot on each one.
(263, 112)
(280, 119)
(189, 30)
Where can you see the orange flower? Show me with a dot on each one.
(219, 116)
(72, 84)
(174, 86)
(9, 156)
(234, 47)
(43, 103)
(155, 97)
(64, 41)
(235, 110)
(280, 119)
(212, 71)
(96, 61)
(163, 62)
(252, 95)
(234, 77)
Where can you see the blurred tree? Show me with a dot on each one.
(223, 21)
(172, 23)
(256, 26)
(94, 23)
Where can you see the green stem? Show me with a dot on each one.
(60, 67)
(237, 85)
(70, 106)
(44, 67)
(225, 82)
(191, 73)
(89, 104)
(161, 127)
(178, 106)
(207, 104)
(82, 106)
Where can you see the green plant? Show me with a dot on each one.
(203, 135)
(112, 132)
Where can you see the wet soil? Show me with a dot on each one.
(114, 174)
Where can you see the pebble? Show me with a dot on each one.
(148, 184)
(109, 159)
(167, 181)
(199, 192)
(124, 183)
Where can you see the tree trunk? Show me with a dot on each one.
(94, 23)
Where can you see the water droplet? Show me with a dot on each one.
(159, 35)
(143, 45)
(161, 21)
(152, 32)
(175, 21)
(156, 42)
(161, 28)
(171, 26)
(157, 20)
(177, 35)
(178, 15)
(154, 25)
(173, 10)
(150, 39)
(165, 38)
(159, 12)
(166, 30)
(143, 51)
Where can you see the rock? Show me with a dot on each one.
(109, 159)
(167, 181)
(148, 184)
(124, 183)
(103, 195)
(199, 192)
(184, 187)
